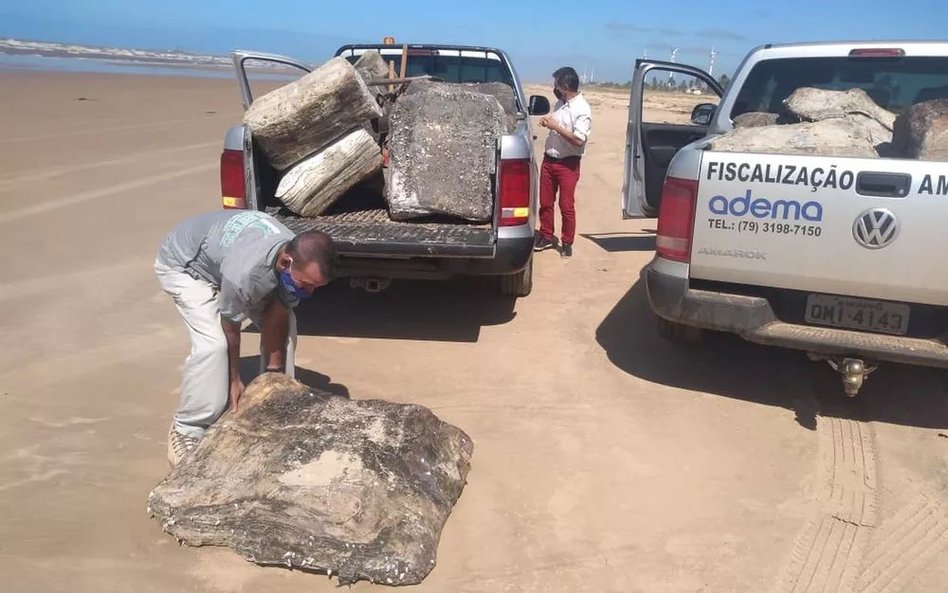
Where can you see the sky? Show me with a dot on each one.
(604, 36)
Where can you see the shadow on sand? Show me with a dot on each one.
(727, 366)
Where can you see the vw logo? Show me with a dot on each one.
(876, 228)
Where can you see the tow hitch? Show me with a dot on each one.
(853, 371)
(371, 284)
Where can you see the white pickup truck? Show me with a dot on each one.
(842, 258)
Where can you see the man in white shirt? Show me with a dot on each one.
(570, 125)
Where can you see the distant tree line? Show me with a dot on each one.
(661, 82)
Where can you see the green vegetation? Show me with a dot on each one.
(661, 82)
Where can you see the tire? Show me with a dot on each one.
(676, 332)
(519, 284)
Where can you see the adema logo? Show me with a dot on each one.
(763, 208)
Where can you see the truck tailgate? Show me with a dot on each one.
(372, 233)
(872, 228)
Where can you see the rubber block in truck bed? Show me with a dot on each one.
(444, 147)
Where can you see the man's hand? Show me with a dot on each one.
(550, 122)
(236, 390)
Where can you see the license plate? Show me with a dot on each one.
(864, 314)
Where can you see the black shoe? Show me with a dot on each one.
(541, 243)
(566, 251)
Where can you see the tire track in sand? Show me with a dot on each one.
(828, 552)
(903, 545)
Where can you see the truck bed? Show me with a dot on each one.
(372, 232)
(359, 224)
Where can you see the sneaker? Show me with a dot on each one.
(542, 243)
(179, 446)
(566, 251)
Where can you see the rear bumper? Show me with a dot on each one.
(506, 256)
(753, 319)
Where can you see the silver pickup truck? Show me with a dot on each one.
(372, 248)
(842, 258)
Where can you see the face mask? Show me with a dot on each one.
(290, 286)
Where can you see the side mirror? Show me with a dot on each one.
(539, 105)
(703, 113)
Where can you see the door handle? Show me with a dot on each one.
(883, 185)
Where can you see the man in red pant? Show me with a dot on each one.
(570, 125)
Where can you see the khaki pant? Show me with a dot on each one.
(205, 386)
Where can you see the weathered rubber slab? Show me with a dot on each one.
(921, 131)
(503, 92)
(817, 122)
(844, 136)
(305, 116)
(306, 479)
(371, 66)
(443, 148)
(811, 104)
(311, 187)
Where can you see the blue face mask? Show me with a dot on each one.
(287, 281)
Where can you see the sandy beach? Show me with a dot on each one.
(605, 458)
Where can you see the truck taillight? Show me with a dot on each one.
(514, 188)
(233, 189)
(676, 217)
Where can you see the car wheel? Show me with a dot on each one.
(519, 284)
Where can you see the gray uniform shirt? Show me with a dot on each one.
(235, 251)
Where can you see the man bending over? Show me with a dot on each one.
(220, 269)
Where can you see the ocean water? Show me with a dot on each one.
(104, 66)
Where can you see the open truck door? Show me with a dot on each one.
(653, 137)
(241, 58)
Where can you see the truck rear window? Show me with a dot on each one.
(893, 83)
(452, 68)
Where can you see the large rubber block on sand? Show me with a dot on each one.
(305, 479)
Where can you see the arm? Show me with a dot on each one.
(273, 335)
(577, 136)
(568, 135)
(232, 334)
